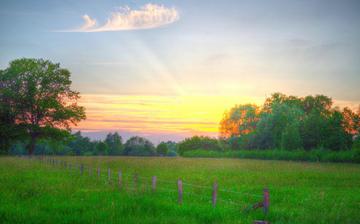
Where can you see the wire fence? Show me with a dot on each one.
(140, 183)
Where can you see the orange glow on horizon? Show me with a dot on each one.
(185, 115)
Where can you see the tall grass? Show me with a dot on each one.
(31, 192)
(318, 155)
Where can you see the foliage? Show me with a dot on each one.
(290, 122)
(240, 120)
(138, 146)
(101, 148)
(114, 141)
(79, 144)
(199, 142)
(36, 98)
(162, 149)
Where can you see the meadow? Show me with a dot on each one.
(32, 191)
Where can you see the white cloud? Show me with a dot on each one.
(89, 23)
(147, 17)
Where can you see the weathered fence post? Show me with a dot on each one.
(266, 200)
(81, 169)
(180, 191)
(120, 179)
(214, 193)
(136, 181)
(109, 175)
(153, 183)
(98, 172)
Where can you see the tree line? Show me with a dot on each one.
(38, 107)
(113, 145)
(283, 122)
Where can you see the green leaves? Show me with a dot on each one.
(290, 122)
(37, 94)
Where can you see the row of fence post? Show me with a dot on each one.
(266, 195)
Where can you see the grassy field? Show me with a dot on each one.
(300, 192)
(315, 155)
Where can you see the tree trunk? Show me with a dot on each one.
(31, 146)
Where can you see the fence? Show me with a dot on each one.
(263, 199)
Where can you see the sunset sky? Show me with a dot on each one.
(169, 69)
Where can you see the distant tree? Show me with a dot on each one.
(290, 137)
(336, 137)
(319, 104)
(162, 149)
(199, 142)
(138, 146)
(172, 146)
(102, 148)
(37, 96)
(240, 120)
(278, 126)
(280, 98)
(351, 121)
(114, 141)
(80, 145)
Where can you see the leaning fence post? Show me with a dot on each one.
(214, 193)
(180, 191)
(153, 185)
(266, 200)
(120, 179)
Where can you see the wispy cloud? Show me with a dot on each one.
(88, 23)
(146, 17)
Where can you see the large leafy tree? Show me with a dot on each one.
(36, 98)
(239, 120)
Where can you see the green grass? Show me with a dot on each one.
(300, 192)
(351, 156)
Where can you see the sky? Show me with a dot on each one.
(167, 70)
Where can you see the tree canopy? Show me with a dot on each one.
(291, 122)
(37, 102)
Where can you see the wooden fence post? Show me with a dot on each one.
(153, 185)
(120, 179)
(98, 172)
(109, 175)
(81, 169)
(214, 193)
(266, 200)
(180, 191)
(136, 180)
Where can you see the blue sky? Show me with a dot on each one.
(232, 49)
